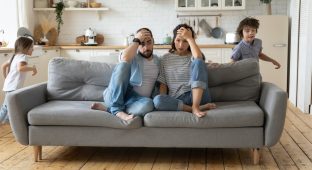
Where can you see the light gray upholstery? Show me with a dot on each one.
(76, 113)
(239, 81)
(58, 113)
(226, 115)
(77, 80)
(273, 102)
(249, 137)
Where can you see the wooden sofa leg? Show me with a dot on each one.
(255, 155)
(38, 153)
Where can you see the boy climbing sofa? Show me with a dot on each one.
(249, 113)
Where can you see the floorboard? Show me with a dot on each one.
(293, 151)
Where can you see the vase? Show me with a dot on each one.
(268, 9)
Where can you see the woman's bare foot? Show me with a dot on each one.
(98, 106)
(198, 112)
(208, 106)
(124, 116)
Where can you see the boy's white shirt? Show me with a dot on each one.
(15, 79)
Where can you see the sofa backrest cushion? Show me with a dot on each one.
(77, 80)
(238, 81)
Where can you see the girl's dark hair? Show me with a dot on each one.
(21, 44)
(173, 47)
(249, 21)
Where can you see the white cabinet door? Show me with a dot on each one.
(77, 54)
(30, 79)
(226, 55)
(209, 4)
(185, 5)
(212, 54)
(44, 60)
(105, 56)
(233, 4)
(206, 5)
(3, 57)
(41, 63)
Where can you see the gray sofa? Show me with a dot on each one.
(249, 114)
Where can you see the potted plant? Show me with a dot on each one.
(268, 6)
(59, 7)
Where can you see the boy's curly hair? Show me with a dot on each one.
(249, 21)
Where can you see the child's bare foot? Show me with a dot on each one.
(124, 116)
(98, 106)
(198, 112)
(208, 106)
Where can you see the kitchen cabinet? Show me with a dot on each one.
(233, 4)
(226, 55)
(96, 55)
(77, 54)
(207, 5)
(212, 54)
(107, 56)
(217, 55)
(4, 56)
(41, 62)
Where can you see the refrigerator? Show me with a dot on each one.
(273, 31)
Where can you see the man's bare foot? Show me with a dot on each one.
(198, 112)
(208, 106)
(124, 116)
(98, 106)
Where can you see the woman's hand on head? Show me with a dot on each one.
(185, 33)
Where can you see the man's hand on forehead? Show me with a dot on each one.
(144, 36)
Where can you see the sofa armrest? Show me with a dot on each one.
(273, 102)
(20, 102)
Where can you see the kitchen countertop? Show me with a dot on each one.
(76, 46)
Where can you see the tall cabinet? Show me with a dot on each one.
(274, 35)
(206, 5)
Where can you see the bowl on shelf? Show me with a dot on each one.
(72, 3)
(95, 4)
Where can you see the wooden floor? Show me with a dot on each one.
(293, 151)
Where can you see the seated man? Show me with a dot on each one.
(133, 79)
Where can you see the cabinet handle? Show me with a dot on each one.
(5, 55)
(45, 51)
(77, 50)
(279, 45)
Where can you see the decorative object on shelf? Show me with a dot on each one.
(99, 39)
(95, 4)
(268, 6)
(47, 23)
(72, 3)
(59, 12)
(52, 36)
(3, 43)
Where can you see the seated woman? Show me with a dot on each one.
(183, 76)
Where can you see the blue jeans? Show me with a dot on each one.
(4, 117)
(120, 96)
(199, 79)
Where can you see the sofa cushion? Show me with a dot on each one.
(227, 114)
(238, 81)
(77, 113)
(77, 80)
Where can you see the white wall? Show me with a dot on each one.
(126, 16)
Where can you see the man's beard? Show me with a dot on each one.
(146, 56)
